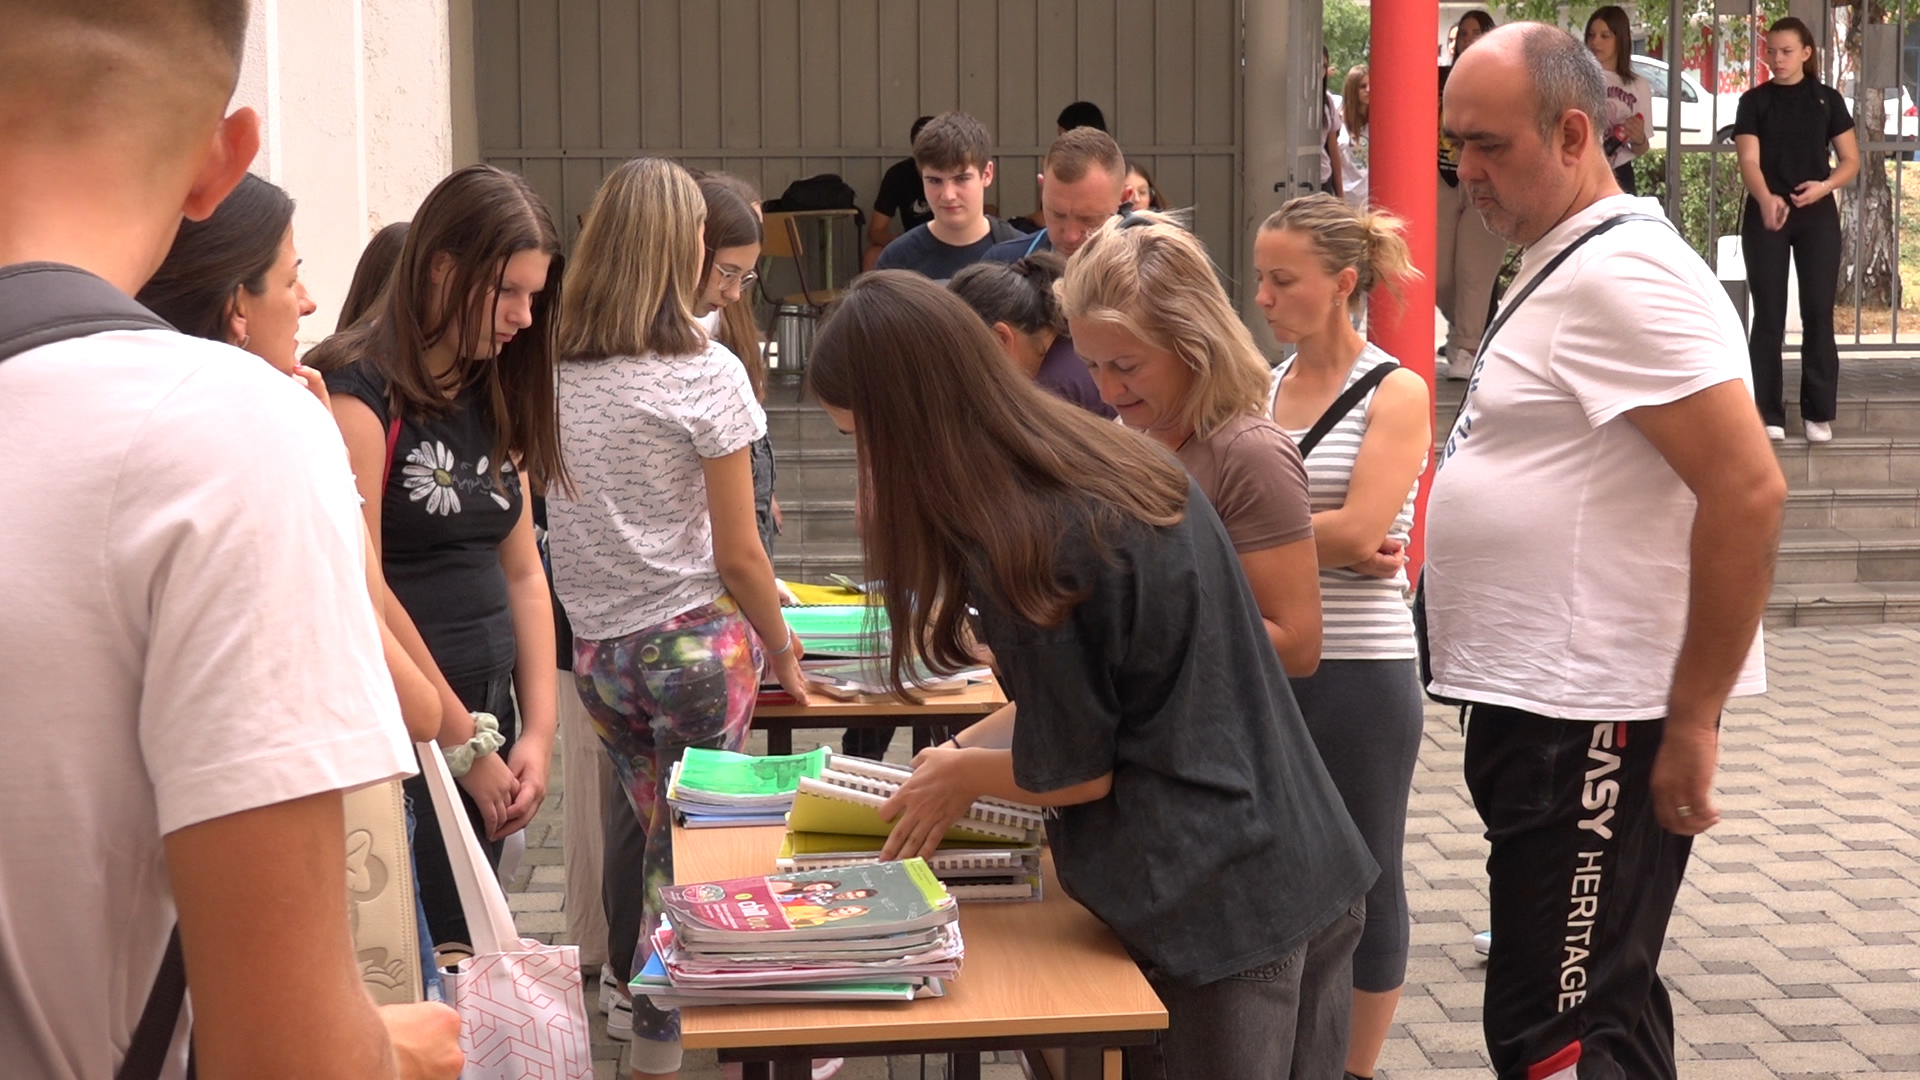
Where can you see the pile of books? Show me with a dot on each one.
(991, 854)
(879, 932)
(846, 630)
(710, 788)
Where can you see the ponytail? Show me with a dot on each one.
(1371, 243)
(1019, 294)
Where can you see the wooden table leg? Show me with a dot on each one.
(964, 1066)
(1110, 1064)
(756, 1070)
(779, 739)
(802, 1069)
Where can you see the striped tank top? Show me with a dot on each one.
(1362, 618)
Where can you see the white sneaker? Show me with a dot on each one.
(620, 1020)
(1819, 432)
(609, 989)
(1461, 365)
(1776, 433)
(1483, 942)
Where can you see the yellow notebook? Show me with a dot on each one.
(820, 808)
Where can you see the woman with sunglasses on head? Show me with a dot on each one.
(1147, 705)
(444, 393)
(1789, 131)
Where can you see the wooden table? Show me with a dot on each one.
(937, 714)
(1044, 974)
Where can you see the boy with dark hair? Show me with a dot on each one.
(188, 656)
(1081, 114)
(901, 195)
(954, 154)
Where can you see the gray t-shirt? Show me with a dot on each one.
(1223, 845)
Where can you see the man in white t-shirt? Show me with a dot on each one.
(1600, 544)
(190, 668)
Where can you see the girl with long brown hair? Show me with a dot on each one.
(445, 397)
(1623, 130)
(1146, 704)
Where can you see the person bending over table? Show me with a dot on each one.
(1194, 817)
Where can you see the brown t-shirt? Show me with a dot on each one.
(1253, 475)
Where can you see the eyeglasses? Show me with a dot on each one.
(743, 278)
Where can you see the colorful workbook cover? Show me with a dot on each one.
(855, 901)
(723, 772)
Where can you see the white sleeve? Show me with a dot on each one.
(1638, 331)
(720, 411)
(237, 558)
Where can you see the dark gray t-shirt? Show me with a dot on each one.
(1223, 845)
(918, 249)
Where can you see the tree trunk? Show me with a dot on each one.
(1869, 271)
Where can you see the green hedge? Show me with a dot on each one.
(1651, 173)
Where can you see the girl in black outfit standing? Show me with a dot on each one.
(445, 397)
(1782, 132)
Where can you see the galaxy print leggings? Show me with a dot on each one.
(690, 681)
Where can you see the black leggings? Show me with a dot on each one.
(439, 896)
(1812, 235)
(1365, 719)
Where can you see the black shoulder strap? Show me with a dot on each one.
(41, 303)
(153, 1037)
(1344, 404)
(1507, 309)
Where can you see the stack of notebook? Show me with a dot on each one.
(881, 932)
(991, 854)
(848, 630)
(710, 788)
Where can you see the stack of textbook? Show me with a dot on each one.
(991, 854)
(717, 787)
(879, 932)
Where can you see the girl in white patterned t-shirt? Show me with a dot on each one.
(655, 553)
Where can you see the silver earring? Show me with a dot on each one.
(242, 343)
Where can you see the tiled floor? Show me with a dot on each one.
(1795, 951)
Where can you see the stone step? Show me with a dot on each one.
(814, 562)
(1845, 556)
(804, 477)
(1843, 603)
(1864, 506)
(819, 521)
(1850, 461)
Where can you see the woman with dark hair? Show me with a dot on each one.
(732, 239)
(445, 397)
(1624, 128)
(1017, 302)
(1468, 261)
(371, 274)
(1147, 707)
(235, 277)
(1787, 132)
(1146, 194)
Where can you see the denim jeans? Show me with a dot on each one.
(1288, 1020)
(429, 970)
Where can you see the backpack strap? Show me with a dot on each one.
(1344, 404)
(42, 303)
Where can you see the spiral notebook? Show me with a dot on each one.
(880, 778)
(824, 806)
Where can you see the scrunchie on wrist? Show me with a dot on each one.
(486, 740)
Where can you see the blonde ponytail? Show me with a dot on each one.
(1370, 243)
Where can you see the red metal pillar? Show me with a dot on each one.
(1402, 179)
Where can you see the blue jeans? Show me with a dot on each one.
(429, 971)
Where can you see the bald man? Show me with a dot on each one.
(1600, 544)
(190, 670)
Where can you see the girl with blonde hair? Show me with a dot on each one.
(1168, 352)
(1318, 258)
(656, 555)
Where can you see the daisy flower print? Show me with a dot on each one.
(429, 475)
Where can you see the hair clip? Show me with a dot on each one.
(1129, 218)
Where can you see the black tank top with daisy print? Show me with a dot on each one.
(442, 520)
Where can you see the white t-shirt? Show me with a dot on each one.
(185, 635)
(1625, 98)
(1557, 536)
(1353, 167)
(636, 548)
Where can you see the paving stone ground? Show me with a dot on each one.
(1795, 948)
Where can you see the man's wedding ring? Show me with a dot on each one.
(1683, 811)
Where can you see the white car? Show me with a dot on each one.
(1701, 114)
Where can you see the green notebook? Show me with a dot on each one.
(723, 772)
(838, 621)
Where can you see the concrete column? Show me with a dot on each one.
(1403, 180)
(355, 102)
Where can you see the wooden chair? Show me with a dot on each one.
(795, 315)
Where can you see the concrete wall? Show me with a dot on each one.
(357, 123)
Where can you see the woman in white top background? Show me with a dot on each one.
(1317, 259)
(1356, 107)
(1610, 40)
(656, 554)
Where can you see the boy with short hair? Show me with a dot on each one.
(954, 154)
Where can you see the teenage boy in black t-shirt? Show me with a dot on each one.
(901, 195)
(954, 154)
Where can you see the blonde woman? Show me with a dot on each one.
(1318, 259)
(657, 556)
(1148, 316)
(1356, 106)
